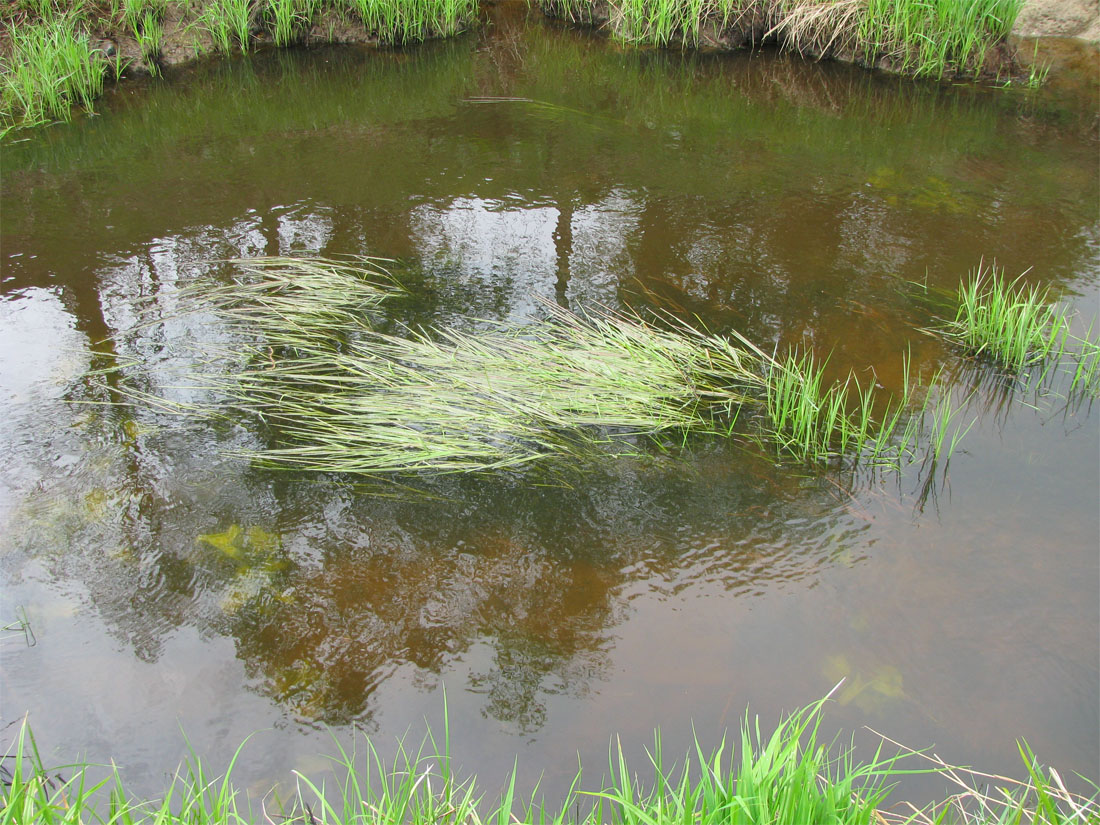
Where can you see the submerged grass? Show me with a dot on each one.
(339, 395)
(790, 776)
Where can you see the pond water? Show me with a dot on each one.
(173, 588)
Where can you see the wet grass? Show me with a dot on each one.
(1020, 328)
(339, 395)
(789, 776)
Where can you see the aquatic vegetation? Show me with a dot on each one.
(1019, 327)
(790, 775)
(459, 402)
(336, 394)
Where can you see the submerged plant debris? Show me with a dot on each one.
(338, 395)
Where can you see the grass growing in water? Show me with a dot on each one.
(342, 396)
(790, 776)
(1018, 326)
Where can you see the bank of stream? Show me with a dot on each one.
(57, 56)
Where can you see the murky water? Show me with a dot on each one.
(170, 587)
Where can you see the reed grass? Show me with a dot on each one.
(339, 395)
(290, 19)
(229, 23)
(49, 68)
(931, 38)
(789, 776)
(1019, 327)
(928, 38)
(409, 21)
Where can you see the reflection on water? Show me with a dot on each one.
(794, 202)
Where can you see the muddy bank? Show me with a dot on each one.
(185, 41)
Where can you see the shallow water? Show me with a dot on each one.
(172, 587)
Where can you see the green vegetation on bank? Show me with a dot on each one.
(927, 39)
(339, 395)
(55, 54)
(791, 776)
(48, 66)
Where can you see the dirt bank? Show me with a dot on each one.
(1059, 18)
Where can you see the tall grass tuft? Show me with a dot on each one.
(930, 38)
(49, 68)
(144, 20)
(229, 23)
(410, 21)
(1019, 327)
(290, 19)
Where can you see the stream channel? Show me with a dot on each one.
(174, 589)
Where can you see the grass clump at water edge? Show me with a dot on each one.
(49, 66)
(926, 38)
(339, 395)
(1020, 328)
(791, 776)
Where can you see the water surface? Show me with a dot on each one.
(172, 587)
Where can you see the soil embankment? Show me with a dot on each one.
(1059, 18)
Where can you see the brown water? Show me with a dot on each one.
(169, 586)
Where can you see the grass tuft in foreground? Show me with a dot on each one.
(791, 776)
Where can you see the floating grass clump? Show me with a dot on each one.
(791, 776)
(337, 394)
(1019, 327)
(918, 37)
(449, 401)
